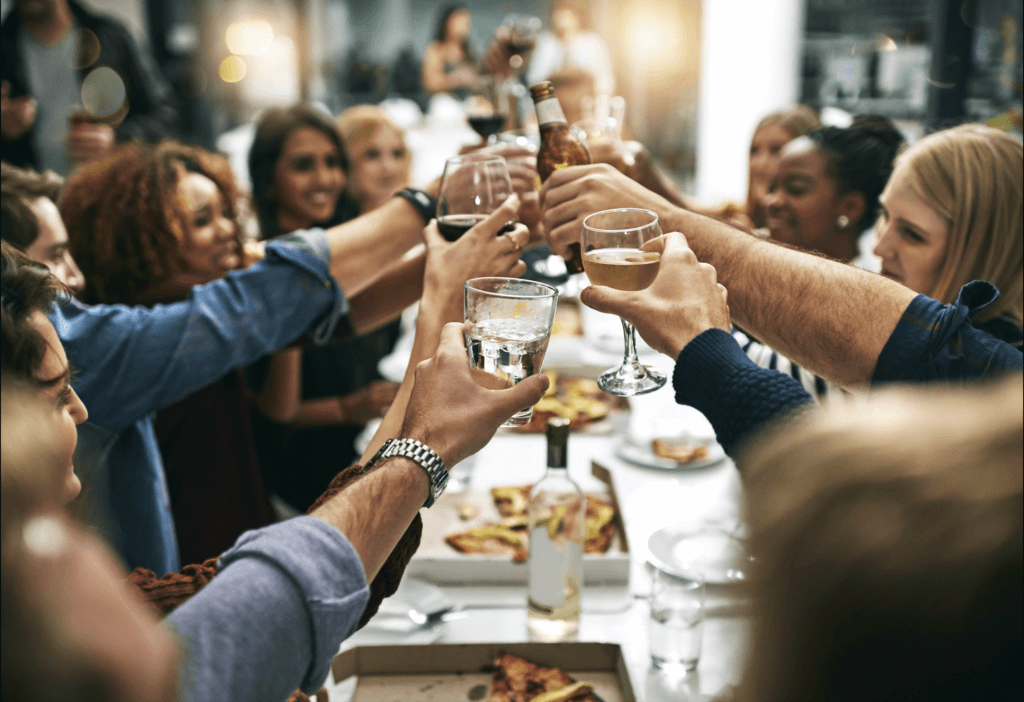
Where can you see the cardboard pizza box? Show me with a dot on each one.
(446, 672)
(437, 562)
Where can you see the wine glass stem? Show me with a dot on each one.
(629, 358)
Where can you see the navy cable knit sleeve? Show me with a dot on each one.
(714, 376)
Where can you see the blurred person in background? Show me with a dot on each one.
(379, 160)
(888, 540)
(49, 47)
(285, 597)
(824, 194)
(572, 43)
(449, 62)
(148, 223)
(31, 221)
(773, 132)
(303, 177)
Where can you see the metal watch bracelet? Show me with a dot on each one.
(422, 454)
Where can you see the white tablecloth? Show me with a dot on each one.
(650, 499)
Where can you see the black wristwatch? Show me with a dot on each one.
(424, 202)
(420, 453)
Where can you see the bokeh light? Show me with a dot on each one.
(88, 49)
(250, 37)
(103, 92)
(232, 69)
(884, 42)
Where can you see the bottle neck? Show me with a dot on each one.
(549, 111)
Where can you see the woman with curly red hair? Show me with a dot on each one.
(146, 224)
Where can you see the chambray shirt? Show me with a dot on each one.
(932, 341)
(133, 361)
(284, 599)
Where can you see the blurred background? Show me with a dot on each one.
(696, 74)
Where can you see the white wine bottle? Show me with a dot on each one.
(558, 147)
(557, 524)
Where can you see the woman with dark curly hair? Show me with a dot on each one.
(147, 223)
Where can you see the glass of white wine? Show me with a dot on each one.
(612, 256)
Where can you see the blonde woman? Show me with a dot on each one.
(949, 215)
(379, 160)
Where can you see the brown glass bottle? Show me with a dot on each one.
(558, 148)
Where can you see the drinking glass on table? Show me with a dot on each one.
(472, 187)
(677, 619)
(612, 256)
(508, 326)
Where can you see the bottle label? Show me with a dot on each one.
(549, 111)
(555, 570)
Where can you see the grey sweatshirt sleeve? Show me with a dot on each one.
(284, 599)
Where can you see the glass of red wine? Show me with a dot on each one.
(472, 187)
(487, 109)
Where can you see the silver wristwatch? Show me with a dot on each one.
(422, 454)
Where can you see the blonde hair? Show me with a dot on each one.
(888, 540)
(357, 124)
(973, 177)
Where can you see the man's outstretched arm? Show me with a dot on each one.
(830, 318)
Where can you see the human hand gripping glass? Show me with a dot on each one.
(612, 257)
(508, 326)
(472, 187)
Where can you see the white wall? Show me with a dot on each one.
(750, 65)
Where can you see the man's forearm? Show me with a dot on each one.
(831, 318)
(365, 246)
(375, 511)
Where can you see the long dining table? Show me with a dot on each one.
(650, 499)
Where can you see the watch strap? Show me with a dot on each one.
(424, 202)
(420, 453)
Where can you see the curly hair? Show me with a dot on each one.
(19, 187)
(27, 287)
(125, 219)
(860, 158)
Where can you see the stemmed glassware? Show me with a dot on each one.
(472, 187)
(488, 108)
(612, 256)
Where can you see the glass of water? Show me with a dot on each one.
(677, 619)
(508, 326)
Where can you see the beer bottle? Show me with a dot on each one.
(558, 148)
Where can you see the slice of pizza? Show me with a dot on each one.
(491, 540)
(678, 450)
(519, 680)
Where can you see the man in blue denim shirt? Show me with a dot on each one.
(134, 361)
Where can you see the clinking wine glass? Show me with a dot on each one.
(472, 187)
(487, 109)
(612, 256)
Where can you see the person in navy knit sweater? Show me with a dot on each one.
(685, 314)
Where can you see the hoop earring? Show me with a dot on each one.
(842, 221)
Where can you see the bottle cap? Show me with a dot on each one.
(558, 430)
